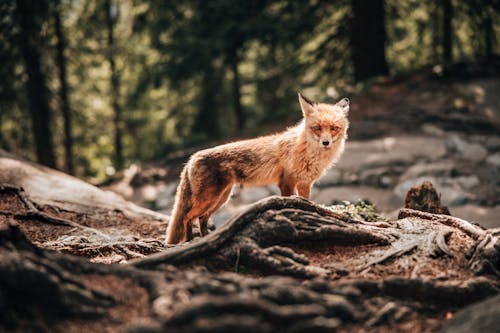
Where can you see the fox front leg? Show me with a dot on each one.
(304, 189)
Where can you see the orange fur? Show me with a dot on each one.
(293, 159)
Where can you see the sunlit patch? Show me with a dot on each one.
(389, 143)
(149, 192)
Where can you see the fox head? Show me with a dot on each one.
(325, 124)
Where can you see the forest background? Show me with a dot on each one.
(90, 87)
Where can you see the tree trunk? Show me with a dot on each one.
(112, 15)
(63, 90)
(368, 38)
(207, 119)
(488, 36)
(447, 31)
(435, 26)
(40, 113)
(238, 108)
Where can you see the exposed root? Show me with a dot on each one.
(33, 213)
(393, 253)
(254, 238)
(470, 229)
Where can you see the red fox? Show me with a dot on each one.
(293, 159)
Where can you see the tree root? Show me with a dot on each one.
(33, 213)
(393, 253)
(128, 249)
(485, 254)
(254, 238)
(470, 229)
(191, 287)
(32, 279)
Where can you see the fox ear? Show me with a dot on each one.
(344, 105)
(306, 105)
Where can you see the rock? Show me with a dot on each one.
(379, 177)
(441, 168)
(468, 182)
(432, 130)
(479, 317)
(466, 150)
(389, 151)
(253, 194)
(492, 143)
(334, 176)
(166, 196)
(494, 159)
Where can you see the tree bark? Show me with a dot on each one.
(435, 26)
(207, 119)
(238, 108)
(368, 37)
(488, 36)
(112, 14)
(29, 38)
(64, 90)
(447, 31)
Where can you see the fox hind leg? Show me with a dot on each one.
(287, 186)
(189, 230)
(203, 220)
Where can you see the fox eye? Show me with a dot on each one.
(316, 128)
(334, 128)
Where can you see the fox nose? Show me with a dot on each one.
(326, 143)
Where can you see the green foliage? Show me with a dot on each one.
(178, 62)
(359, 210)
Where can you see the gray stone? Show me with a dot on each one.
(165, 196)
(441, 168)
(390, 151)
(333, 176)
(494, 159)
(493, 142)
(465, 149)
(433, 130)
(377, 177)
(468, 182)
(253, 194)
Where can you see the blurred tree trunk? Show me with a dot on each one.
(274, 79)
(488, 35)
(28, 17)
(111, 17)
(368, 37)
(238, 108)
(435, 26)
(447, 31)
(207, 119)
(3, 142)
(63, 89)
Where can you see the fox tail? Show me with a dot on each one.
(177, 226)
